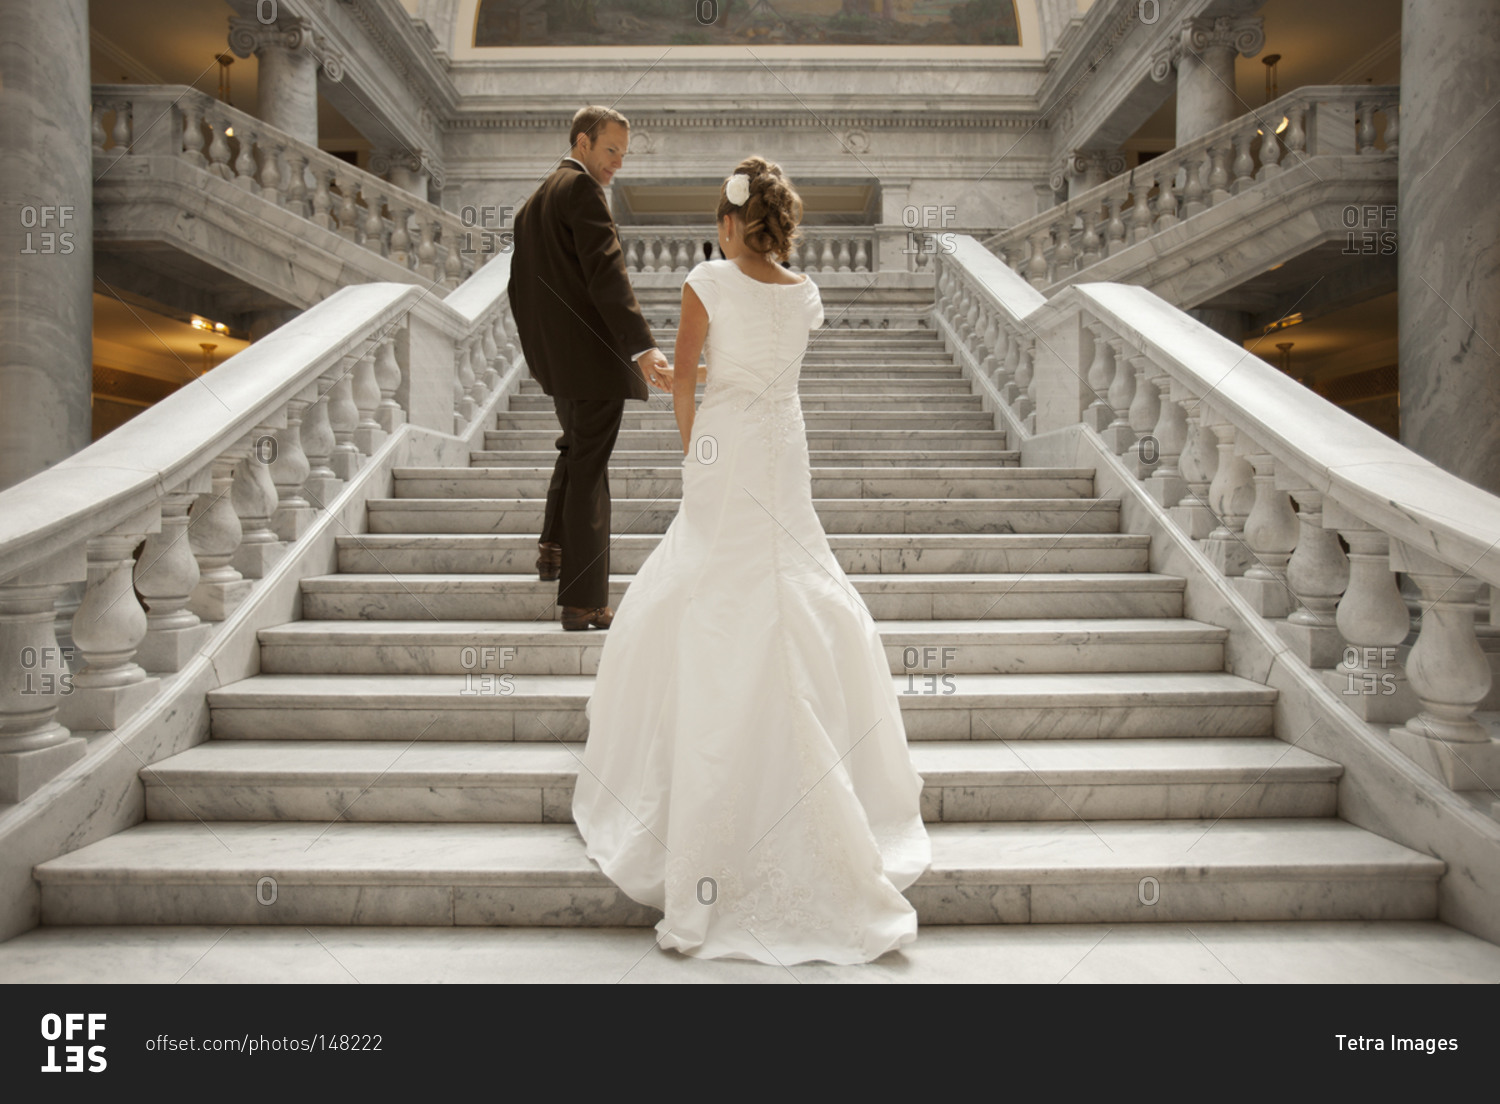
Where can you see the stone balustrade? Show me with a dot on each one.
(678, 248)
(1320, 121)
(132, 121)
(169, 521)
(1272, 483)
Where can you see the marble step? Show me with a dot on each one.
(827, 482)
(488, 703)
(816, 421)
(252, 872)
(841, 335)
(837, 403)
(857, 553)
(531, 783)
(835, 440)
(383, 596)
(935, 648)
(850, 385)
(623, 458)
(837, 515)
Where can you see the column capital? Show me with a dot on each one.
(248, 35)
(1244, 35)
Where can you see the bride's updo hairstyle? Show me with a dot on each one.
(771, 212)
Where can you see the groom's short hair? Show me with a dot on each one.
(590, 120)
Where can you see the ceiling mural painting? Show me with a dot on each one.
(746, 23)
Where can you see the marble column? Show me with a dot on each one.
(46, 235)
(1448, 213)
(1203, 56)
(288, 54)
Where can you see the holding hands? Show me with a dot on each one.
(658, 372)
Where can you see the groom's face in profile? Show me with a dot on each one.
(604, 153)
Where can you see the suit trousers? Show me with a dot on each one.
(577, 513)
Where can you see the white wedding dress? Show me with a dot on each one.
(746, 770)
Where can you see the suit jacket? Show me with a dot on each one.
(570, 295)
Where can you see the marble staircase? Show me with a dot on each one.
(406, 754)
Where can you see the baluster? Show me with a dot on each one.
(192, 134)
(388, 378)
(296, 187)
(460, 395)
(1244, 164)
(648, 254)
(1392, 127)
(1166, 484)
(36, 679)
(633, 255)
(1271, 533)
(121, 132)
(1295, 135)
(828, 261)
(1270, 152)
(453, 262)
(845, 261)
(1230, 497)
(1036, 264)
(1366, 127)
(1193, 199)
(490, 349)
(1093, 249)
(1199, 462)
(426, 249)
(214, 533)
(255, 500)
(476, 369)
(165, 578)
(1118, 434)
(1317, 574)
(373, 237)
(343, 416)
(322, 201)
(1373, 618)
(108, 629)
(290, 470)
(862, 256)
(684, 256)
(1166, 199)
(464, 395)
(348, 209)
(987, 326)
(1140, 211)
(96, 134)
(1100, 374)
(244, 161)
(1063, 256)
(218, 148)
(368, 433)
(1218, 174)
(1023, 259)
(1145, 409)
(1114, 226)
(1025, 405)
(270, 169)
(321, 486)
(1449, 674)
(1006, 376)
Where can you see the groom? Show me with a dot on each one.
(587, 344)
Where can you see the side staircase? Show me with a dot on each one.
(407, 753)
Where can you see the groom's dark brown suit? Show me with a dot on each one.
(580, 328)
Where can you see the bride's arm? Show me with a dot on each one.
(692, 329)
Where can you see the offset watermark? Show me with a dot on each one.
(487, 229)
(44, 671)
(485, 671)
(39, 239)
(914, 659)
(1370, 670)
(925, 228)
(1369, 229)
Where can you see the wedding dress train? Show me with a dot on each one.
(746, 770)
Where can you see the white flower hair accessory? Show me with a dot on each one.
(738, 189)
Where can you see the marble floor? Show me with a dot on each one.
(1224, 953)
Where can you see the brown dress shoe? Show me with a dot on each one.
(575, 618)
(549, 562)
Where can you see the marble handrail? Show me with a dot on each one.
(191, 502)
(1321, 120)
(1226, 444)
(132, 121)
(680, 248)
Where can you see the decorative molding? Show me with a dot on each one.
(1244, 35)
(290, 32)
(863, 123)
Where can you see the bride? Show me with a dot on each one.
(746, 770)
